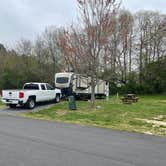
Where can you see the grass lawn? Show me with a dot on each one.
(1, 105)
(147, 116)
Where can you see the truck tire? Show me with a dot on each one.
(57, 98)
(12, 105)
(30, 104)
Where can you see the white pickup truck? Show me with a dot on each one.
(31, 94)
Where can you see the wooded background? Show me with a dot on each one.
(123, 48)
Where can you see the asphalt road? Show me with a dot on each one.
(26, 142)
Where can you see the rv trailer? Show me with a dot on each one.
(79, 85)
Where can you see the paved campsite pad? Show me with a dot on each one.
(15, 111)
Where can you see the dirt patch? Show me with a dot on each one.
(160, 118)
(163, 101)
(148, 132)
(155, 122)
(61, 112)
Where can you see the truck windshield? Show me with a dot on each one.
(31, 87)
(62, 80)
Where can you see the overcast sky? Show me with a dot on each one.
(29, 18)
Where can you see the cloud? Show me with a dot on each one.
(28, 18)
(136, 5)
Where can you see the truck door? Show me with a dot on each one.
(43, 95)
(50, 92)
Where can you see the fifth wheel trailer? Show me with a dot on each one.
(79, 85)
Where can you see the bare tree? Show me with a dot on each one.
(126, 25)
(24, 47)
(50, 38)
(84, 46)
(150, 39)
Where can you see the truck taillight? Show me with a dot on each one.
(21, 95)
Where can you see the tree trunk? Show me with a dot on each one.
(140, 60)
(93, 92)
(130, 52)
(125, 66)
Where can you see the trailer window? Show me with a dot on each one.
(31, 87)
(62, 80)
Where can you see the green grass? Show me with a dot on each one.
(112, 114)
(1, 105)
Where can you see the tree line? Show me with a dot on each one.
(107, 42)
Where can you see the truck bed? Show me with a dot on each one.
(11, 94)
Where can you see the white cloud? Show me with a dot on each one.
(136, 5)
(28, 18)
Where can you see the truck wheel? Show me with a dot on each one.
(30, 103)
(57, 98)
(12, 105)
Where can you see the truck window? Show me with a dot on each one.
(31, 87)
(62, 80)
(43, 87)
(49, 87)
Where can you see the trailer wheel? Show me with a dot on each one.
(30, 103)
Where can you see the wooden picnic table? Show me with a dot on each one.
(129, 98)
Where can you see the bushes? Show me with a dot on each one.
(9, 79)
(153, 80)
(17, 70)
(137, 89)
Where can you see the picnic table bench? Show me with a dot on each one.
(129, 98)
